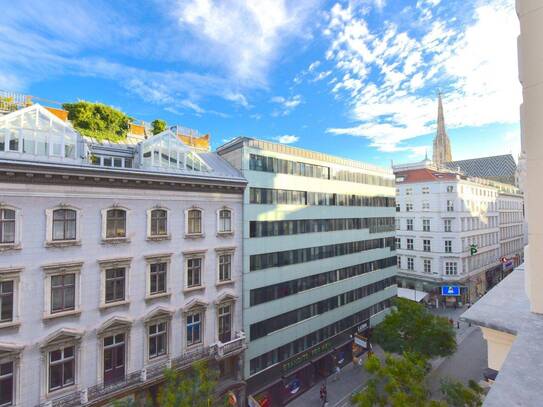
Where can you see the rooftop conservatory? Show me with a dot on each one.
(165, 152)
(34, 131)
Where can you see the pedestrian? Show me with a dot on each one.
(323, 394)
(336, 374)
(457, 324)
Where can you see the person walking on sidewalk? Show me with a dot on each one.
(324, 394)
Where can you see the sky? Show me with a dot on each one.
(356, 79)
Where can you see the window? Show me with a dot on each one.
(408, 207)
(62, 293)
(425, 190)
(115, 284)
(426, 245)
(225, 267)
(7, 226)
(409, 224)
(450, 268)
(194, 272)
(450, 188)
(158, 339)
(194, 328)
(114, 358)
(410, 263)
(427, 265)
(6, 301)
(409, 191)
(450, 206)
(194, 222)
(157, 278)
(448, 246)
(7, 384)
(225, 322)
(426, 225)
(398, 209)
(225, 221)
(61, 368)
(425, 205)
(398, 243)
(115, 223)
(397, 223)
(447, 225)
(159, 222)
(409, 244)
(64, 224)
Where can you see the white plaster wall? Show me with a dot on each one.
(33, 200)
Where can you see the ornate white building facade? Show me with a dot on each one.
(116, 261)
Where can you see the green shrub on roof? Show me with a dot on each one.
(98, 120)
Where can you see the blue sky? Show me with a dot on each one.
(356, 79)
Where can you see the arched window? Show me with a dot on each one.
(194, 219)
(225, 221)
(115, 223)
(159, 222)
(64, 224)
(7, 226)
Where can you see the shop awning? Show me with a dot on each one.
(410, 294)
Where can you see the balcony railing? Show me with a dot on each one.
(103, 391)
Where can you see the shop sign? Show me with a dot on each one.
(362, 327)
(450, 290)
(306, 356)
(294, 386)
(360, 342)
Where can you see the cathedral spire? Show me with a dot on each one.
(442, 144)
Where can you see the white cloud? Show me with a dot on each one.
(390, 74)
(243, 36)
(287, 139)
(286, 105)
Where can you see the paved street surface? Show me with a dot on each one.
(467, 363)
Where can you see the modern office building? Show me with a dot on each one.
(116, 261)
(441, 216)
(511, 315)
(318, 263)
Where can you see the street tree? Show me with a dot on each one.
(458, 395)
(410, 327)
(194, 387)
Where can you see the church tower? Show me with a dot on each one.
(442, 144)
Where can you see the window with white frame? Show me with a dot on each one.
(450, 188)
(62, 288)
(448, 246)
(398, 243)
(399, 261)
(398, 208)
(409, 224)
(451, 268)
(425, 190)
(115, 223)
(7, 301)
(409, 244)
(225, 266)
(64, 224)
(61, 367)
(158, 339)
(408, 207)
(409, 191)
(7, 383)
(427, 265)
(224, 312)
(194, 327)
(447, 225)
(158, 277)
(194, 272)
(425, 205)
(158, 223)
(62, 293)
(450, 205)
(397, 223)
(410, 263)
(194, 222)
(225, 221)
(115, 284)
(7, 226)
(426, 225)
(426, 245)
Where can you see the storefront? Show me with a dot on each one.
(285, 381)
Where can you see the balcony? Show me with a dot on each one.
(102, 392)
(233, 347)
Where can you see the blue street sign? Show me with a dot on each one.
(450, 290)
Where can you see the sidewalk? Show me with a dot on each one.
(351, 379)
